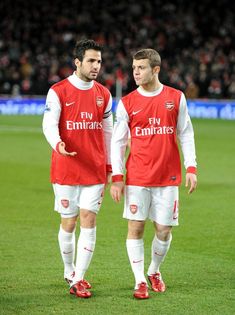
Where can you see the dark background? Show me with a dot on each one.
(195, 41)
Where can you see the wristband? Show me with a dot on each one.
(191, 169)
(117, 178)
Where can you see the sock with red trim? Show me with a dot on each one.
(67, 250)
(159, 252)
(85, 249)
(135, 250)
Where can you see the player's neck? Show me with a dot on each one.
(80, 83)
(82, 77)
(152, 85)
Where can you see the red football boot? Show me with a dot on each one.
(142, 291)
(79, 290)
(69, 280)
(157, 283)
(86, 284)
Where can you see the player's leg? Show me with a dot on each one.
(86, 242)
(160, 246)
(135, 250)
(89, 202)
(136, 211)
(164, 213)
(66, 238)
(66, 205)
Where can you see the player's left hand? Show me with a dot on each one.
(62, 150)
(192, 179)
(117, 190)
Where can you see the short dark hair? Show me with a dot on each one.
(150, 54)
(83, 45)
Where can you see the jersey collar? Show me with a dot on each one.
(149, 94)
(80, 84)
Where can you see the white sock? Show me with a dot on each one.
(85, 249)
(159, 251)
(67, 250)
(135, 250)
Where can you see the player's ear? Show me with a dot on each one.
(156, 69)
(77, 62)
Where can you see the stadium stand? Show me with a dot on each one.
(195, 40)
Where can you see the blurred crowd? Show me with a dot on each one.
(195, 41)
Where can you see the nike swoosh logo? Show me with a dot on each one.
(136, 112)
(137, 261)
(89, 250)
(66, 253)
(68, 104)
(158, 254)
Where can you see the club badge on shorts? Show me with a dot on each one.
(65, 203)
(169, 105)
(99, 101)
(133, 208)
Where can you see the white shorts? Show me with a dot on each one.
(70, 199)
(159, 204)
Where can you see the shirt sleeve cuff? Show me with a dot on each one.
(109, 168)
(191, 169)
(117, 178)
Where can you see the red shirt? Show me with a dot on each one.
(156, 121)
(154, 156)
(80, 126)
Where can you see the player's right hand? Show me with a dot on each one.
(117, 190)
(61, 149)
(192, 180)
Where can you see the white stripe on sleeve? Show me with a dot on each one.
(108, 109)
(185, 134)
(119, 139)
(108, 129)
(51, 118)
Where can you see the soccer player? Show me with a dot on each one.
(156, 116)
(78, 124)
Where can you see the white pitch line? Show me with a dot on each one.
(9, 128)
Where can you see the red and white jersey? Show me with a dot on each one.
(80, 114)
(154, 120)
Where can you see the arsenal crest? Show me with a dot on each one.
(133, 208)
(65, 203)
(99, 101)
(169, 105)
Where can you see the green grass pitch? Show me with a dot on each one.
(199, 269)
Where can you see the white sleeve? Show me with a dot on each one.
(119, 139)
(51, 119)
(108, 129)
(185, 134)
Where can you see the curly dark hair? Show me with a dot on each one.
(83, 45)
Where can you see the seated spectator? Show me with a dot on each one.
(36, 38)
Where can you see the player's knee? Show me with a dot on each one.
(87, 219)
(135, 234)
(135, 229)
(164, 234)
(69, 224)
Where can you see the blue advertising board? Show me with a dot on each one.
(210, 109)
(22, 106)
(213, 109)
